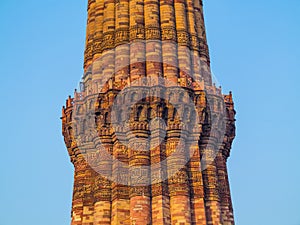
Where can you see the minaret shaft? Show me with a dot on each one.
(130, 43)
(178, 24)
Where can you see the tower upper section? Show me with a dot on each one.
(177, 27)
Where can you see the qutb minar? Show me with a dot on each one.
(148, 131)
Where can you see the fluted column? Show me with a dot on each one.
(184, 60)
(88, 198)
(194, 42)
(140, 203)
(169, 40)
(98, 27)
(226, 204)
(153, 37)
(96, 66)
(82, 205)
(88, 53)
(139, 156)
(122, 46)
(102, 184)
(120, 191)
(178, 184)
(78, 190)
(204, 54)
(108, 54)
(195, 176)
(210, 180)
(137, 37)
(159, 188)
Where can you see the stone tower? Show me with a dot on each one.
(148, 132)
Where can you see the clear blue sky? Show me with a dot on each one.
(255, 52)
